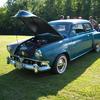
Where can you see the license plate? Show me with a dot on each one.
(18, 65)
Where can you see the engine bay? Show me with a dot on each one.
(28, 47)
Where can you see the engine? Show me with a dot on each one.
(27, 48)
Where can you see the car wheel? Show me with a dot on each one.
(97, 48)
(60, 64)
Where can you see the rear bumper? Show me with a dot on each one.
(35, 67)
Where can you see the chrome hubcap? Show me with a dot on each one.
(61, 64)
(97, 47)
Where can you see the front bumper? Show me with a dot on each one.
(20, 64)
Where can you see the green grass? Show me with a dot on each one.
(80, 82)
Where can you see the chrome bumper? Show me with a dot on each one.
(34, 67)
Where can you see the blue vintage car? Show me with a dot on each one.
(53, 44)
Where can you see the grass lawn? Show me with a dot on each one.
(80, 82)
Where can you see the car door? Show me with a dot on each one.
(80, 40)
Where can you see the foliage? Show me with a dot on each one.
(48, 9)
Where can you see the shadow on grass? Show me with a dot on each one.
(25, 85)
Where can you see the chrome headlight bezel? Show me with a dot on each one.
(38, 53)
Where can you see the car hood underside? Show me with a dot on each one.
(34, 23)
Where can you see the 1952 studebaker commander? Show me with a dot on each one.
(53, 44)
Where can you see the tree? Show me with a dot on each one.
(68, 8)
(95, 8)
(86, 4)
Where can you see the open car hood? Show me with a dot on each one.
(35, 24)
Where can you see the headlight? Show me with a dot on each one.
(38, 53)
(9, 48)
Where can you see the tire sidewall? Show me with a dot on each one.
(55, 68)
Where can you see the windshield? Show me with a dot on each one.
(61, 27)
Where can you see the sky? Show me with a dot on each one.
(2, 2)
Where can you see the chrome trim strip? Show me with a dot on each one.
(29, 59)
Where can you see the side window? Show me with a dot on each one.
(77, 29)
(88, 27)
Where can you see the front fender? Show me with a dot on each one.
(12, 48)
(51, 51)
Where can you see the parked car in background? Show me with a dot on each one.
(53, 44)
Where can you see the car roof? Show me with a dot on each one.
(73, 21)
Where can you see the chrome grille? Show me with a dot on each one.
(25, 60)
(28, 61)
